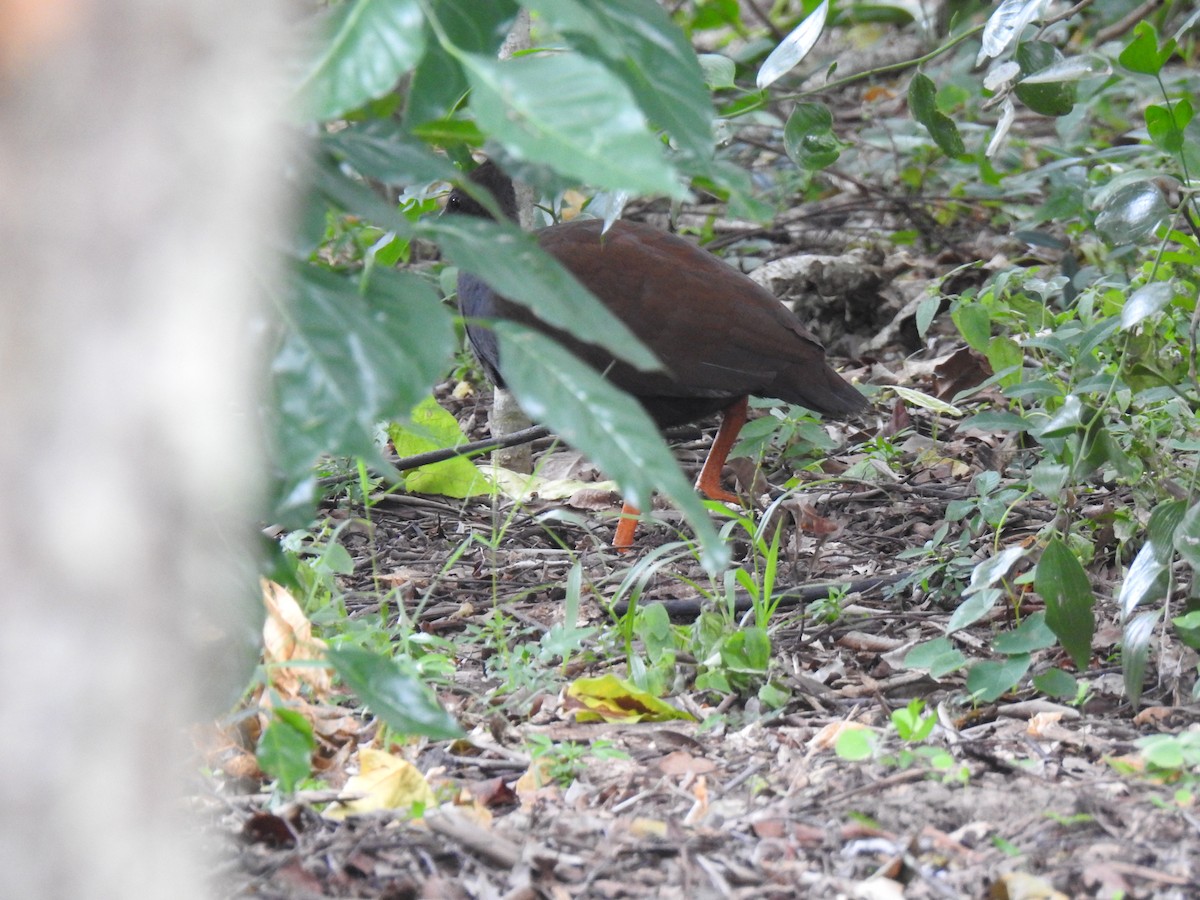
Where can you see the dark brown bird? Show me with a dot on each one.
(721, 337)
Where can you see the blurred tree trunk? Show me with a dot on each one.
(138, 172)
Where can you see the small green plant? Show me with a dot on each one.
(566, 760)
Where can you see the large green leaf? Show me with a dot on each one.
(350, 358)
(397, 696)
(586, 126)
(368, 45)
(380, 149)
(1055, 98)
(639, 43)
(513, 264)
(611, 427)
(1064, 586)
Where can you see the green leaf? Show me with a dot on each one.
(1166, 125)
(588, 126)
(973, 608)
(638, 43)
(1145, 582)
(1164, 523)
(1069, 419)
(808, 137)
(855, 744)
(393, 693)
(285, 749)
(380, 149)
(1047, 99)
(1064, 586)
(611, 427)
(1187, 537)
(434, 428)
(974, 324)
(1003, 353)
(1188, 628)
(349, 359)
(368, 45)
(922, 101)
(1032, 634)
(1057, 683)
(989, 681)
(1132, 213)
(1142, 54)
(513, 264)
(938, 657)
(1135, 652)
(718, 71)
(1145, 302)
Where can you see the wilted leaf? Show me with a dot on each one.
(287, 638)
(612, 699)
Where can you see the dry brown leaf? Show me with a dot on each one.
(287, 638)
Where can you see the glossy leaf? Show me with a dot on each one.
(368, 45)
(555, 388)
(991, 571)
(1135, 652)
(589, 127)
(1070, 68)
(1145, 582)
(349, 359)
(637, 41)
(1053, 98)
(793, 48)
(974, 607)
(808, 137)
(989, 681)
(1132, 213)
(1187, 627)
(1063, 584)
(1005, 25)
(392, 693)
(1145, 302)
(512, 263)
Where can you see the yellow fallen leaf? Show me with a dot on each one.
(613, 699)
(386, 782)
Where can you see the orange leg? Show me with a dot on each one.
(709, 482)
(626, 528)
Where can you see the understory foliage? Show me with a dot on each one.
(1077, 138)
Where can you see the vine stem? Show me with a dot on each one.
(893, 67)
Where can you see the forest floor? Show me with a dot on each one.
(1018, 798)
